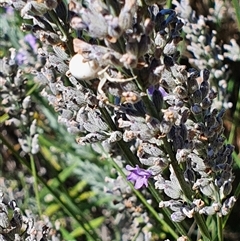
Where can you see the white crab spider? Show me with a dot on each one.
(82, 69)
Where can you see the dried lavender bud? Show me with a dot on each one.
(177, 140)
(90, 138)
(143, 45)
(49, 74)
(132, 46)
(34, 8)
(159, 40)
(180, 92)
(170, 187)
(225, 189)
(182, 155)
(193, 73)
(192, 83)
(196, 96)
(35, 144)
(227, 205)
(189, 175)
(33, 128)
(228, 149)
(174, 205)
(157, 98)
(208, 210)
(205, 74)
(9, 67)
(205, 186)
(212, 94)
(189, 212)
(196, 109)
(115, 136)
(126, 14)
(178, 216)
(17, 219)
(19, 80)
(204, 88)
(51, 4)
(24, 145)
(168, 61)
(206, 103)
(26, 102)
(18, 5)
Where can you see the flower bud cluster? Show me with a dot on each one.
(204, 47)
(17, 104)
(18, 227)
(197, 139)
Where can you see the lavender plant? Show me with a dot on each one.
(110, 70)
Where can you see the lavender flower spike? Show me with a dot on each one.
(139, 176)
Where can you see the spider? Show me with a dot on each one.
(82, 69)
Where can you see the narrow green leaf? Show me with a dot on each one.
(51, 209)
(4, 117)
(94, 223)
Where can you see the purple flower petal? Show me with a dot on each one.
(129, 168)
(163, 92)
(31, 40)
(138, 175)
(141, 182)
(160, 89)
(9, 10)
(21, 57)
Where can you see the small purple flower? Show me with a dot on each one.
(31, 40)
(138, 175)
(160, 89)
(21, 56)
(9, 10)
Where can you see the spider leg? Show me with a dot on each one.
(101, 95)
(101, 72)
(103, 78)
(117, 80)
(102, 82)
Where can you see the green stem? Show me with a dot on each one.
(65, 34)
(35, 184)
(130, 157)
(202, 225)
(169, 3)
(150, 107)
(108, 119)
(220, 228)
